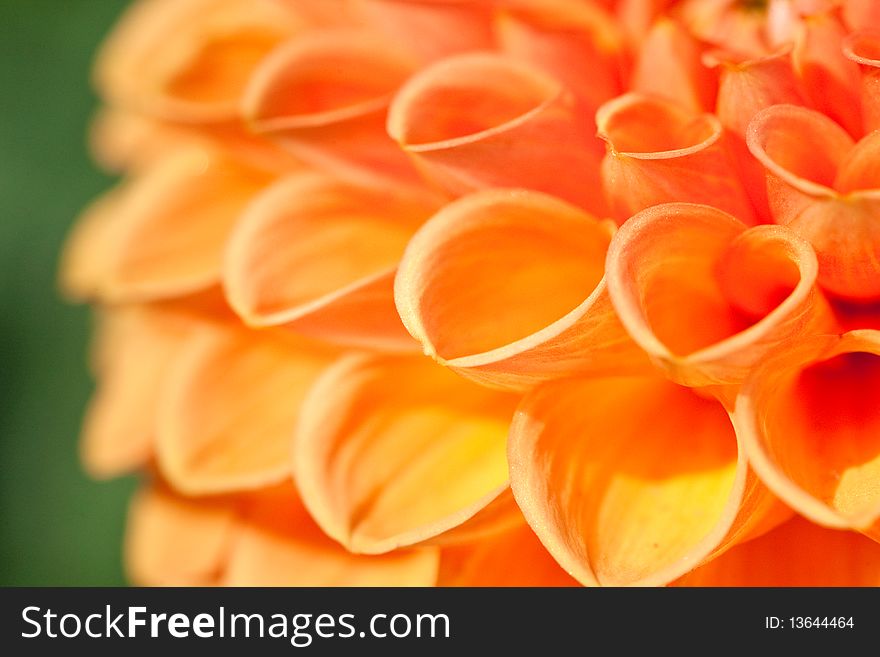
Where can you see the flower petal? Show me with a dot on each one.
(512, 558)
(553, 35)
(806, 155)
(484, 120)
(670, 66)
(380, 465)
(325, 96)
(506, 287)
(431, 29)
(631, 480)
(810, 421)
(830, 79)
(863, 48)
(134, 349)
(797, 553)
(176, 541)
(708, 298)
(175, 220)
(334, 277)
(861, 14)
(658, 152)
(280, 545)
(188, 61)
(228, 412)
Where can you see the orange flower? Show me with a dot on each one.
(489, 292)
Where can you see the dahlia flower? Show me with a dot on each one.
(489, 292)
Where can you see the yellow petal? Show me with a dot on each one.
(334, 277)
(175, 220)
(658, 152)
(506, 287)
(483, 120)
(706, 297)
(512, 558)
(229, 408)
(176, 541)
(381, 463)
(632, 480)
(135, 348)
(278, 544)
(797, 553)
(810, 421)
(325, 96)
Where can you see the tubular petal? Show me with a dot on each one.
(831, 80)
(797, 553)
(280, 545)
(229, 408)
(863, 48)
(431, 29)
(334, 278)
(134, 349)
(176, 541)
(483, 120)
(630, 480)
(810, 421)
(188, 61)
(380, 465)
(861, 14)
(826, 190)
(706, 297)
(579, 44)
(506, 287)
(325, 98)
(512, 558)
(670, 66)
(658, 152)
(729, 24)
(175, 220)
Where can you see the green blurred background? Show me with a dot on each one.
(56, 526)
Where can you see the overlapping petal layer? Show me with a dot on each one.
(506, 287)
(810, 420)
(367, 449)
(632, 480)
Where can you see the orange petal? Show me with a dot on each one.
(135, 348)
(188, 61)
(863, 48)
(176, 219)
(579, 44)
(483, 120)
(728, 24)
(325, 97)
(431, 29)
(175, 541)
(806, 156)
(631, 480)
(334, 277)
(810, 421)
(659, 153)
(506, 287)
(797, 553)
(322, 13)
(512, 558)
(830, 79)
(87, 259)
(380, 465)
(670, 66)
(746, 87)
(228, 411)
(708, 298)
(861, 14)
(637, 16)
(280, 545)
